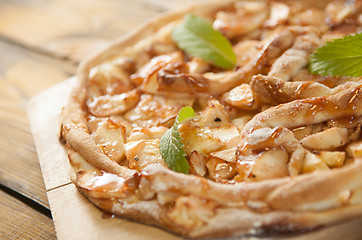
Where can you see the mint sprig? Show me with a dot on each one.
(171, 146)
(198, 38)
(340, 57)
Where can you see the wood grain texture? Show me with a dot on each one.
(70, 28)
(23, 74)
(23, 222)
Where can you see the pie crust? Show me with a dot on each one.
(278, 102)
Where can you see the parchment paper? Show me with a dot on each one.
(75, 217)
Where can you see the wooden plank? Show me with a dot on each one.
(70, 28)
(22, 75)
(29, 72)
(19, 221)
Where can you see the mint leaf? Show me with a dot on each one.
(171, 146)
(185, 113)
(172, 151)
(198, 38)
(340, 57)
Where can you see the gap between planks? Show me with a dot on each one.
(27, 201)
(38, 50)
(20, 221)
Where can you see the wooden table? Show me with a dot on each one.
(41, 44)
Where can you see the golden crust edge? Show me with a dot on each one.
(74, 126)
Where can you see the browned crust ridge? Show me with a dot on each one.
(286, 204)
